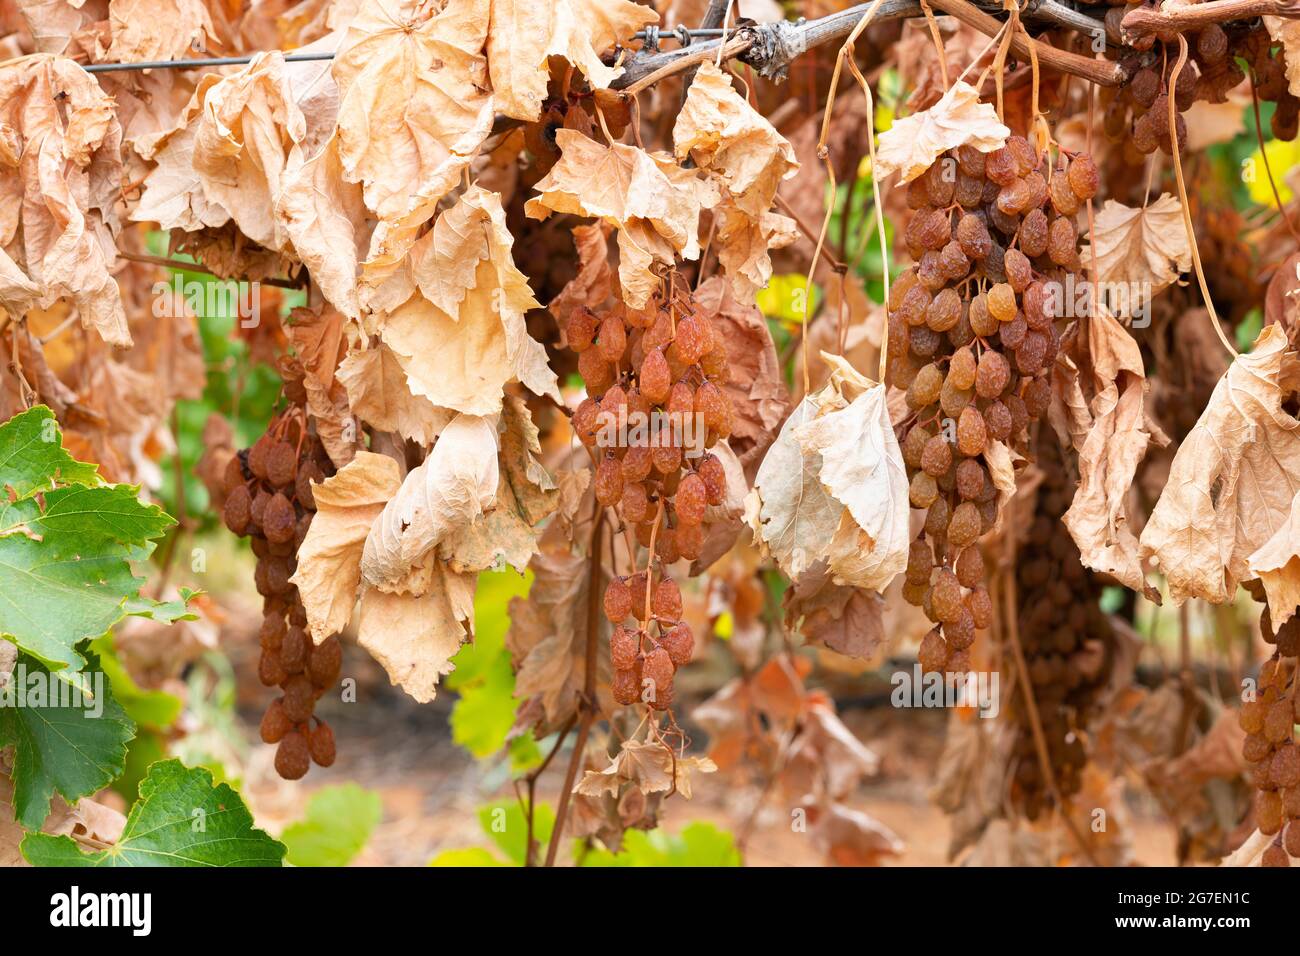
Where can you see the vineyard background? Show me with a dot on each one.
(786, 741)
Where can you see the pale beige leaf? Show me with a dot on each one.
(58, 197)
(1286, 31)
(1114, 444)
(1233, 481)
(1277, 564)
(414, 637)
(414, 108)
(158, 29)
(329, 560)
(249, 125)
(744, 244)
(654, 204)
(914, 142)
(862, 467)
(507, 532)
(647, 765)
(724, 134)
(324, 217)
(790, 512)
(463, 360)
(441, 497)
(524, 34)
(1144, 248)
(379, 395)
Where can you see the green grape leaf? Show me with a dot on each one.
(506, 826)
(469, 856)
(63, 741)
(337, 825)
(66, 566)
(32, 456)
(180, 819)
(699, 844)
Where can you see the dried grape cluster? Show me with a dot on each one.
(1269, 721)
(1068, 643)
(269, 499)
(1138, 114)
(972, 338)
(655, 405)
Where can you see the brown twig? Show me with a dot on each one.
(200, 267)
(1101, 72)
(531, 781)
(587, 705)
(1147, 21)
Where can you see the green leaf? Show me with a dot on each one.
(469, 856)
(337, 825)
(32, 456)
(506, 826)
(164, 612)
(699, 844)
(66, 568)
(181, 819)
(485, 710)
(148, 708)
(75, 748)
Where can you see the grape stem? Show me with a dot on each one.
(1146, 21)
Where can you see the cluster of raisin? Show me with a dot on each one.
(269, 499)
(1138, 113)
(646, 654)
(655, 404)
(1269, 720)
(1067, 641)
(972, 338)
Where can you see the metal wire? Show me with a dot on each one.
(200, 62)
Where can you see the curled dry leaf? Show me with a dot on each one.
(756, 386)
(524, 34)
(462, 359)
(158, 29)
(654, 203)
(60, 179)
(1277, 565)
(414, 107)
(914, 142)
(415, 636)
(1114, 441)
(1232, 484)
(329, 560)
(1144, 249)
(833, 487)
(647, 765)
(847, 620)
(1287, 32)
(378, 394)
(440, 498)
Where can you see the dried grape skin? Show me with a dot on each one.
(1002, 302)
(972, 436)
(924, 389)
(914, 444)
(936, 457)
(1014, 332)
(1018, 268)
(973, 236)
(609, 481)
(982, 322)
(923, 341)
(970, 479)
(964, 525)
(655, 378)
(293, 756)
(580, 330)
(1000, 166)
(946, 596)
(691, 500)
(1084, 179)
(961, 369)
(933, 653)
(997, 421)
(920, 562)
(1060, 241)
(969, 567)
(944, 310)
(923, 491)
(936, 517)
(992, 375)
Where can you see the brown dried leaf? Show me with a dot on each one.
(1233, 481)
(1277, 565)
(654, 204)
(1114, 444)
(647, 765)
(524, 34)
(329, 560)
(1145, 248)
(914, 142)
(379, 395)
(62, 180)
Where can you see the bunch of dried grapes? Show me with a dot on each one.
(269, 499)
(1269, 722)
(972, 338)
(1137, 115)
(655, 403)
(1067, 640)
